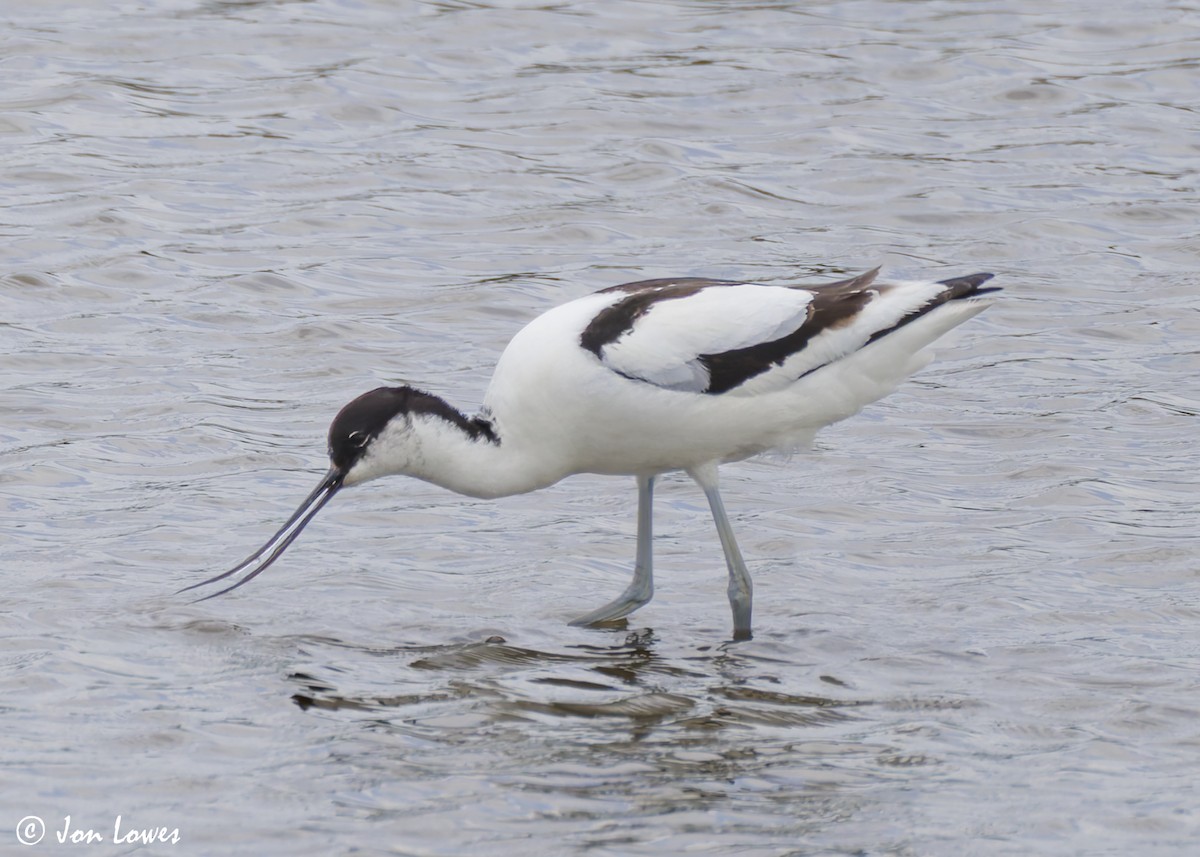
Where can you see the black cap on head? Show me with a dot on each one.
(361, 421)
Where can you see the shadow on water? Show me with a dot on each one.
(628, 680)
(623, 736)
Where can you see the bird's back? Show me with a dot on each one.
(664, 374)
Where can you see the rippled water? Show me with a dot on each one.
(977, 602)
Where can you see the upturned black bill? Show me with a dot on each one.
(261, 559)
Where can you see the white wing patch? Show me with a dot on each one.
(666, 342)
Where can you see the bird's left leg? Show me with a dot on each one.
(641, 589)
(741, 589)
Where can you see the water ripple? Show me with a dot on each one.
(974, 602)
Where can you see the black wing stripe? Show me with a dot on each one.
(957, 289)
(830, 308)
(614, 321)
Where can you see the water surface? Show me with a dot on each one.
(976, 602)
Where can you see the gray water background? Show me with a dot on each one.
(978, 602)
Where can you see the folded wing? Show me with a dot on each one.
(720, 337)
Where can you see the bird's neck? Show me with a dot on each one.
(471, 456)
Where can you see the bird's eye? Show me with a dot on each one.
(358, 438)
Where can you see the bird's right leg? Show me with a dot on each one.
(741, 588)
(641, 589)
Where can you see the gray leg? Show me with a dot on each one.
(741, 590)
(641, 590)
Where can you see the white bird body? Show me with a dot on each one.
(651, 377)
(561, 410)
(575, 415)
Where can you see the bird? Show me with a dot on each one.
(646, 378)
